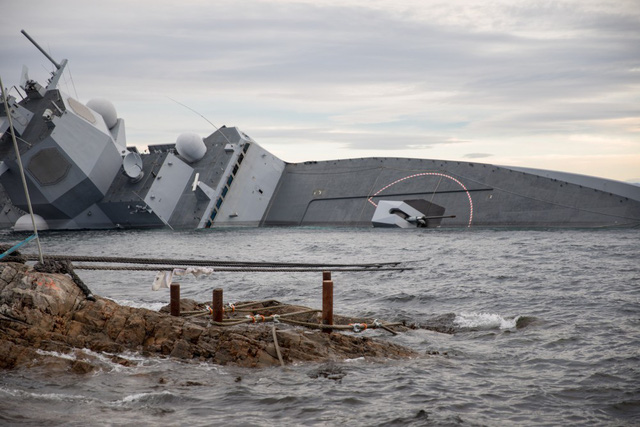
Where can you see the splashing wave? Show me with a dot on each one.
(474, 320)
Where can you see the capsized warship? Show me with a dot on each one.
(81, 174)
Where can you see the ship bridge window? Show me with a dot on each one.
(224, 191)
(246, 147)
(235, 169)
(219, 202)
(240, 158)
(229, 180)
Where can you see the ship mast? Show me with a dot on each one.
(24, 180)
(55, 76)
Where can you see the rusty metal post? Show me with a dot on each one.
(174, 289)
(326, 275)
(216, 305)
(327, 303)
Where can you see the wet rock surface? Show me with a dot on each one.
(443, 323)
(47, 312)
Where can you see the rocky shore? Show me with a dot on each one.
(47, 312)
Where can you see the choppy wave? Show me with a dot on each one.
(66, 356)
(473, 320)
(103, 360)
(147, 398)
(57, 397)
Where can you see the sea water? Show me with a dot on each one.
(548, 332)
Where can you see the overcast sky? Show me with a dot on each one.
(545, 84)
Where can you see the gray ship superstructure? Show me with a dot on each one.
(82, 175)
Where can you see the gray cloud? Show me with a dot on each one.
(354, 139)
(477, 155)
(369, 76)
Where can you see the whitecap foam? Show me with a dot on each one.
(144, 397)
(58, 397)
(154, 306)
(130, 356)
(66, 356)
(104, 360)
(9, 391)
(474, 320)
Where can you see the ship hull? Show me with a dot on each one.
(347, 192)
(239, 183)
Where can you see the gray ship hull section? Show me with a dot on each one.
(231, 185)
(345, 192)
(164, 194)
(251, 190)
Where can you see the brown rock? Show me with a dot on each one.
(182, 350)
(48, 311)
(82, 367)
(134, 331)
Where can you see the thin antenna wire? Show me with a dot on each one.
(24, 180)
(66, 84)
(68, 70)
(73, 84)
(214, 126)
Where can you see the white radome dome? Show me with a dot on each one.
(191, 146)
(105, 108)
(24, 223)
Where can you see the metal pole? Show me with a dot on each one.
(216, 302)
(24, 180)
(174, 299)
(327, 303)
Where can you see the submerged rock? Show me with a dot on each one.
(443, 323)
(45, 312)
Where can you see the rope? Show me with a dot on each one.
(263, 302)
(236, 269)
(275, 341)
(254, 319)
(15, 247)
(201, 263)
(284, 318)
(378, 324)
(242, 307)
(64, 267)
(356, 327)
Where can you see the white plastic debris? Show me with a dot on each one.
(163, 278)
